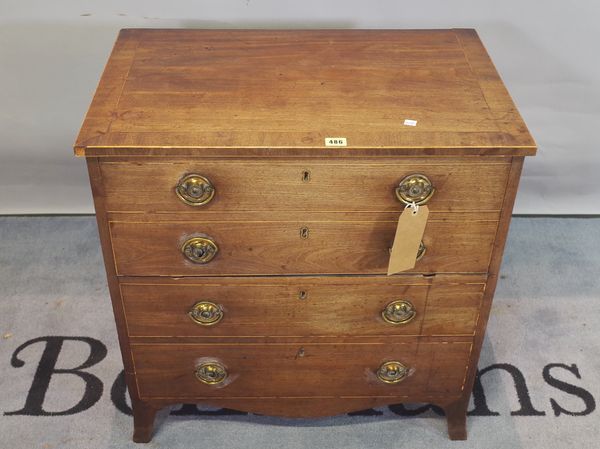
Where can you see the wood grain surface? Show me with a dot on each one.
(314, 407)
(305, 370)
(303, 307)
(253, 89)
(148, 185)
(277, 248)
(457, 412)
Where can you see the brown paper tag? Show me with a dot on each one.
(409, 232)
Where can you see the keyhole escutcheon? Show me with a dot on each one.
(304, 232)
(302, 294)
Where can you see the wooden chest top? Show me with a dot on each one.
(183, 92)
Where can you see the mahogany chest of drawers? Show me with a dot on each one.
(248, 185)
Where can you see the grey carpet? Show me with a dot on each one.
(544, 330)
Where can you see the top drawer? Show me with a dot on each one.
(148, 185)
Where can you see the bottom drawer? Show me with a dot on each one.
(300, 370)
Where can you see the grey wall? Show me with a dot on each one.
(52, 54)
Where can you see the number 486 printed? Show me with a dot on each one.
(335, 142)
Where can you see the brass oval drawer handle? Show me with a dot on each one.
(392, 372)
(420, 252)
(200, 249)
(211, 373)
(415, 188)
(206, 313)
(399, 312)
(195, 190)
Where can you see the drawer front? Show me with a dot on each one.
(291, 307)
(267, 370)
(155, 249)
(342, 185)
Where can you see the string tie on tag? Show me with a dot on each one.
(414, 206)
